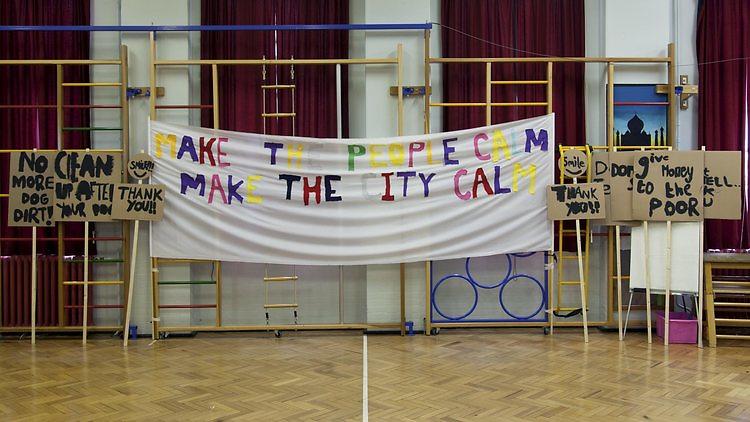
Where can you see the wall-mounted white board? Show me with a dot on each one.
(686, 256)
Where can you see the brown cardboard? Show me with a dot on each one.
(668, 186)
(574, 163)
(140, 166)
(583, 201)
(620, 186)
(138, 202)
(722, 185)
(84, 184)
(600, 174)
(31, 200)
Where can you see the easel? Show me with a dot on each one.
(668, 288)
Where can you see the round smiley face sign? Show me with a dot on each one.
(574, 163)
(140, 166)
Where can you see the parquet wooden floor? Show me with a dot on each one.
(456, 376)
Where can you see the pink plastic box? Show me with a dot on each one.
(683, 327)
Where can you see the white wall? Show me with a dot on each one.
(613, 28)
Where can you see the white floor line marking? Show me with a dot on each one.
(364, 379)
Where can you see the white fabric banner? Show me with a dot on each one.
(247, 197)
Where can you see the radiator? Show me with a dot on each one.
(16, 292)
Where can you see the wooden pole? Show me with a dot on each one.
(60, 226)
(488, 94)
(668, 283)
(611, 106)
(218, 294)
(427, 264)
(125, 136)
(580, 277)
(33, 284)
(400, 129)
(671, 97)
(131, 282)
(152, 75)
(216, 120)
(619, 280)
(699, 311)
(215, 86)
(647, 275)
(339, 136)
(402, 293)
(154, 298)
(549, 87)
(85, 280)
(152, 115)
(400, 83)
(427, 88)
(551, 286)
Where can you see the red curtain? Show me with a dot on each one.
(463, 82)
(239, 86)
(724, 34)
(28, 85)
(315, 98)
(554, 28)
(516, 28)
(240, 94)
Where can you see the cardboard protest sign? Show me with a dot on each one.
(722, 185)
(84, 184)
(600, 174)
(31, 189)
(668, 186)
(574, 163)
(140, 166)
(582, 201)
(620, 186)
(138, 202)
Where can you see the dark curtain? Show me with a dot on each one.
(554, 28)
(240, 94)
(724, 34)
(522, 28)
(315, 97)
(36, 84)
(239, 86)
(465, 82)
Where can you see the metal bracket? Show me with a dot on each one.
(144, 91)
(409, 91)
(684, 90)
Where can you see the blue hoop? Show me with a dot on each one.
(481, 286)
(473, 306)
(541, 305)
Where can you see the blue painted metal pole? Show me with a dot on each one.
(172, 28)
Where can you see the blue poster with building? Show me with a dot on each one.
(640, 116)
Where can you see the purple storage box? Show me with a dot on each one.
(683, 327)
